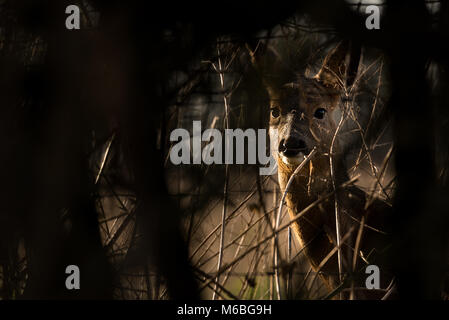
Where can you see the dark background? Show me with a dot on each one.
(59, 88)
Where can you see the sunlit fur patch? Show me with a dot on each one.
(293, 160)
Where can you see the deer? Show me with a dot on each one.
(343, 231)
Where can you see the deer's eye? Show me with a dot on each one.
(319, 113)
(275, 112)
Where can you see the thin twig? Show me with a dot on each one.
(225, 188)
(337, 216)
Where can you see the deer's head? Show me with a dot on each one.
(302, 114)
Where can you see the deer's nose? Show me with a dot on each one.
(291, 146)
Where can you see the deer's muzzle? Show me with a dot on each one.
(293, 150)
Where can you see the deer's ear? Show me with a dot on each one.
(334, 72)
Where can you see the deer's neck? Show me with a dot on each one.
(314, 181)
